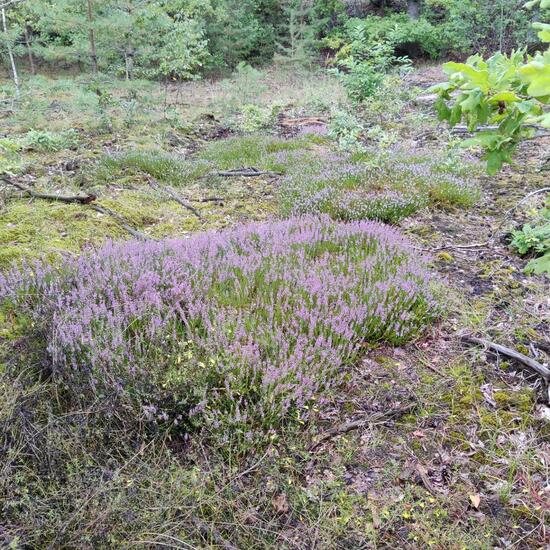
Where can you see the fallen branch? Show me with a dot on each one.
(122, 222)
(155, 184)
(465, 130)
(247, 173)
(376, 418)
(81, 199)
(535, 366)
(455, 246)
(209, 199)
(304, 121)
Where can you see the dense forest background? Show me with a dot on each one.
(185, 39)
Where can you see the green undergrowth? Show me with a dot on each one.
(533, 239)
(258, 151)
(165, 167)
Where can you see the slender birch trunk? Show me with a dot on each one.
(91, 37)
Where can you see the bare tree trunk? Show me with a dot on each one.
(29, 50)
(129, 59)
(413, 8)
(93, 52)
(10, 54)
(129, 51)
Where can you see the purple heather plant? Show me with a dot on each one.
(235, 331)
(387, 190)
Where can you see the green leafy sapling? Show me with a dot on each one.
(499, 99)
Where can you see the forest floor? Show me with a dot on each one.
(449, 445)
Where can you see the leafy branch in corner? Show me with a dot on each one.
(506, 92)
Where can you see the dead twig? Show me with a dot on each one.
(80, 199)
(375, 418)
(460, 130)
(209, 199)
(247, 173)
(155, 184)
(303, 121)
(120, 219)
(535, 366)
(457, 246)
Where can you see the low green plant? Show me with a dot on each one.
(534, 239)
(158, 164)
(257, 151)
(8, 155)
(254, 118)
(44, 141)
(347, 131)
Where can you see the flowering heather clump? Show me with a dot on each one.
(388, 190)
(389, 207)
(239, 329)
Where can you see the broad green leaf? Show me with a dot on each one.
(472, 100)
(495, 160)
(441, 87)
(474, 78)
(537, 75)
(505, 96)
(539, 266)
(456, 114)
(544, 31)
(442, 109)
(544, 4)
(544, 120)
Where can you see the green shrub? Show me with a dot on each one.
(45, 141)
(534, 239)
(8, 155)
(347, 130)
(254, 118)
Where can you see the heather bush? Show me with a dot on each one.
(367, 185)
(235, 331)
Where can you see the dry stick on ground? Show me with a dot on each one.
(375, 418)
(535, 366)
(156, 185)
(81, 199)
(120, 219)
(247, 173)
(465, 130)
(209, 199)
